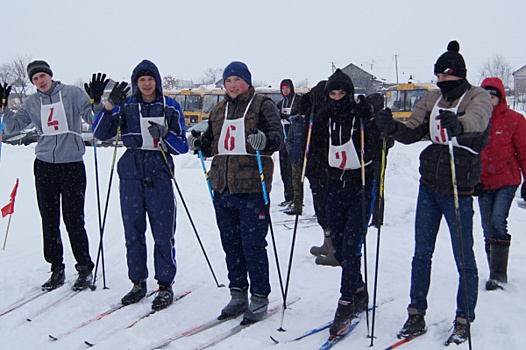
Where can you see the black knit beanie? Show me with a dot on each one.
(37, 67)
(451, 62)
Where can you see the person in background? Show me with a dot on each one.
(458, 113)
(239, 127)
(290, 107)
(313, 106)
(58, 110)
(503, 161)
(152, 127)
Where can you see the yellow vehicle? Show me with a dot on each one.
(401, 98)
(196, 103)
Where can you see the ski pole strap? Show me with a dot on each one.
(262, 177)
(206, 175)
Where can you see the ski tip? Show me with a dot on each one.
(274, 340)
(28, 320)
(88, 343)
(52, 337)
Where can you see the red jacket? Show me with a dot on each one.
(504, 157)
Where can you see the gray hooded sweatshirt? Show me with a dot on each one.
(62, 148)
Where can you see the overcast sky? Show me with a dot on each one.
(277, 39)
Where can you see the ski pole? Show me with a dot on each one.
(267, 204)
(188, 212)
(206, 175)
(96, 163)
(100, 252)
(307, 147)
(364, 213)
(380, 223)
(459, 233)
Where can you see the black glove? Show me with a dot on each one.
(118, 93)
(449, 121)
(364, 108)
(523, 192)
(4, 93)
(96, 87)
(258, 140)
(384, 121)
(157, 130)
(194, 141)
(478, 190)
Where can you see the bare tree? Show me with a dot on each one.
(169, 82)
(497, 67)
(14, 73)
(211, 76)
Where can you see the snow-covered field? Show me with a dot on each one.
(500, 315)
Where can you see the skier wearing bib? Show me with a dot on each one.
(148, 121)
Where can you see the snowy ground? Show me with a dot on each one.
(500, 315)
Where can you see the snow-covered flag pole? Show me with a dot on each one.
(9, 209)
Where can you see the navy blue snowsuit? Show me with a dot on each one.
(145, 180)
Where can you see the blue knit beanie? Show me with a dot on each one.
(238, 69)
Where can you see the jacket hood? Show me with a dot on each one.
(290, 84)
(497, 83)
(146, 65)
(340, 81)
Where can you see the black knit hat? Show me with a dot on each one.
(493, 91)
(451, 62)
(340, 81)
(144, 72)
(37, 67)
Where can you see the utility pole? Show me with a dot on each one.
(396, 67)
(333, 67)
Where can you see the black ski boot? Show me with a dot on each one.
(342, 318)
(460, 331)
(415, 324)
(164, 298)
(498, 263)
(238, 304)
(361, 300)
(257, 309)
(135, 294)
(84, 279)
(57, 279)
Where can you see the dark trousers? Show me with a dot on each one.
(318, 184)
(345, 218)
(66, 182)
(243, 224)
(286, 171)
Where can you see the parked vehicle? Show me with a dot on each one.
(26, 136)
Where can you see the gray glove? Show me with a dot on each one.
(258, 140)
(157, 130)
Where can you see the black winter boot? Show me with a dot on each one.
(238, 304)
(415, 324)
(164, 298)
(135, 294)
(57, 278)
(499, 253)
(361, 300)
(84, 279)
(460, 331)
(323, 249)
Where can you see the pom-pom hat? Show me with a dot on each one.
(451, 62)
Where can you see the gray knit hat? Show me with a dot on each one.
(37, 67)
